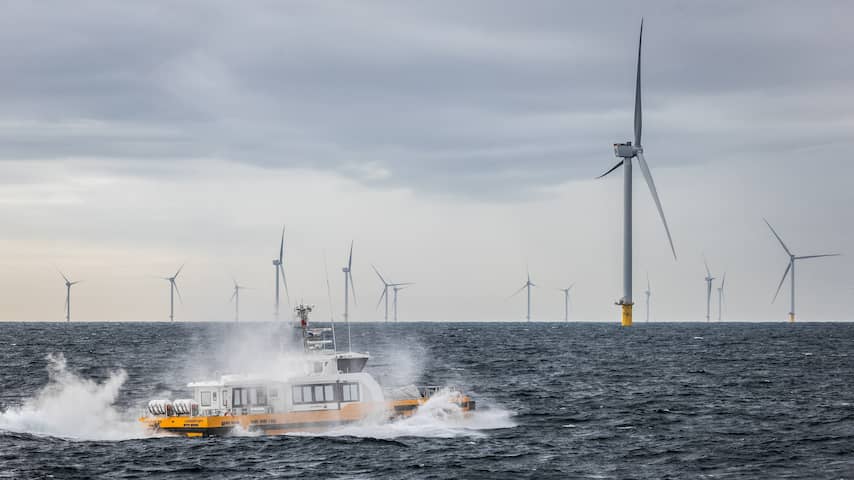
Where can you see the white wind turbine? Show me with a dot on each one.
(721, 296)
(68, 285)
(235, 297)
(384, 295)
(791, 266)
(348, 287)
(173, 288)
(709, 279)
(528, 284)
(647, 293)
(279, 266)
(626, 152)
(566, 302)
(396, 287)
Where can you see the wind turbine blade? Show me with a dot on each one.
(648, 177)
(382, 295)
(179, 271)
(350, 260)
(285, 283)
(618, 165)
(788, 267)
(178, 292)
(379, 275)
(818, 256)
(723, 281)
(75, 283)
(778, 236)
(708, 273)
(233, 295)
(401, 284)
(352, 287)
(518, 291)
(570, 287)
(63, 275)
(282, 246)
(638, 112)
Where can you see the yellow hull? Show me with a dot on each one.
(281, 423)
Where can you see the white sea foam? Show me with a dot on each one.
(73, 407)
(437, 418)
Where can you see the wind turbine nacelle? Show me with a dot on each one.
(276, 262)
(625, 150)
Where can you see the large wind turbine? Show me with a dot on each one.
(68, 285)
(348, 287)
(721, 296)
(235, 297)
(279, 266)
(647, 293)
(173, 288)
(384, 295)
(566, 302)
(626, 152)
(396, 287)
(709, 279)
(791, 266)
(528, 284)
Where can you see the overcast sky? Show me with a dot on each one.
(455, 142)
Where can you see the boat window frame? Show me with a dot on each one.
(205, 398)
(298, 392)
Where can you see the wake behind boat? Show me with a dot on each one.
(331, 389)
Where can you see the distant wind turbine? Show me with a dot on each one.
(173, 289)
(647, 293)
(68, 285)
(235, 297)
(791, 266)
(566, 302)
(721, 296)
(528, 284)
(709, 279)
(384, 294)
(626, 152)
(279, 267)
(396, 287)
(348, 287)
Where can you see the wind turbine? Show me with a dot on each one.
(173, 288)
(626, 152)
(279, 267)
(721, 296)
(566, 302)
(348, 287)
(791, 266)
(709, 279)
(235, 297)
(396, 287)
(68, 285)
(647, 293)
(528, 284)
(384, 295)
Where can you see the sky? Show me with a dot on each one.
(455, 143)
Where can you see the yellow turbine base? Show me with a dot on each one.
(627, 315)
(791, 318)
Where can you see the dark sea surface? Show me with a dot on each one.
(719, 400)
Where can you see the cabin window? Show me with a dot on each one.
(249, 396)
(225, 398)
(213, 397)
(324, 393)
(260, 396)
(274, 394)
(350, 392)
(205, 399)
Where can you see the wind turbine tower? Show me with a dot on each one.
(626, 152)
(68, 285)
(279, 267)
(721, 296)
(528, 284)
(173, 288)
(348, 287)
(566, 302)
(647, 293)
(791, 266)
(709, 279)
(384, 295)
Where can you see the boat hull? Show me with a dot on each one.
(289, 422)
